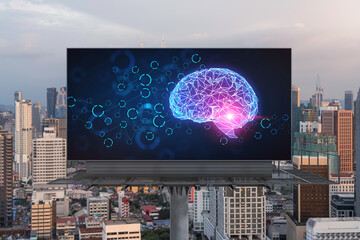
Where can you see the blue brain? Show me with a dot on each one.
(216, 95)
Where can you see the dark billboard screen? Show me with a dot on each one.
(179, 104)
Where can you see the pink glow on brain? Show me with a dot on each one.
(215, 95)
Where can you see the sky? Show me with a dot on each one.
(324, 36)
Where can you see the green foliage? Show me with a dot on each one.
(159, 234)
(21, 202)
(164, 214)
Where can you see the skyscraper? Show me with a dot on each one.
(23, 136)
(6, 180)
(60, 108)
(357, 152)
(49, 157)
(311, 200)
(295, 110)
(319, 95)
(349, 100)
(51, 102)
(18, 96)
(308, 200)
(340, 124)
(36, 119)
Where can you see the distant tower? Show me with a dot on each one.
(23, 136)
(162, 41)
(349, 100)
(36, 119)
(60, 106)
(51, 102)
(319, 95)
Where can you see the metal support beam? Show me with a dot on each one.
(179, 222)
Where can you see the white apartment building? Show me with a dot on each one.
(240, 214)
(269, 207)
(333, 228)
(347, 183)
(23, 136)
(310, 127)
(201, 206)
(49, 157)
(42, 192)
(98, 207)
(121, 229)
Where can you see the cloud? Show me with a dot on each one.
(56, 15)
(299, 25)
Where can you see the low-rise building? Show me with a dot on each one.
(124, 228)
(347, 183)
(85, 233)
(343, 205)
(79, 194)
(66, 228)
(333, 228)
(99, 207)
(93, 222)
(151, 211)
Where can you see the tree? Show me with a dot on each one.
(164, 214)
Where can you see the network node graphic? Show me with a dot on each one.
(215, 95)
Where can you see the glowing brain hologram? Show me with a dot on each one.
(215, 95)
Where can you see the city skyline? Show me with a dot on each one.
(36, 35)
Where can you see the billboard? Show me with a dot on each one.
(179, 104)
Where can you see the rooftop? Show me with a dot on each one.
(65, 220)
(90, 230)
(121, 221)
(151, 208)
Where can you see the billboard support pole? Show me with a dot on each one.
(179, 223)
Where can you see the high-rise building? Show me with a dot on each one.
(51, 102)
(349, 100)
(18, 96)
(340, 124)
(43, 218)
(6, 179)
(311, 200)
(98, 206)
(308, 200)
(357, 151)
(23, 136)
(124, 228)
(333, 228)
(60, 108)
(49, 157)
(236, 214)
(319, 96)
(295, 110)
(201, 207)
(36, 120)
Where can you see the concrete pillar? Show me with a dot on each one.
(179, 229)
